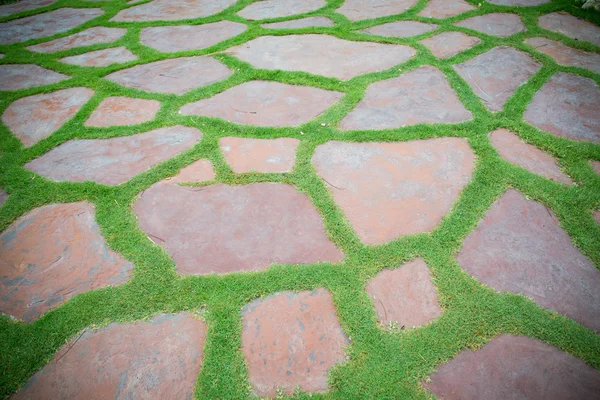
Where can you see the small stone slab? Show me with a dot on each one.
(523, 3)
(261, 155)
(121, 111)
(199, 171)
(167, 10)
(321, 55)
(401, 29)
(356, 10)
(113, 161)
(262, 103)
(525, 155)
(565, 55)
(291, 340)
(51, 254)
(280, 8)
(495, 75)
(420, 96)
(23, 5)
(448, 44)
(571, 26)
(101, 58)
(261, 224)
(88, 37)
(23, 76)
(495, 24)
(445, 8)
(172, 76)
(170, 39)
(300, 23)
(519, 247)
(159, 358)
(567, 106)
(34, 118)
(388, 190)
(46, 24)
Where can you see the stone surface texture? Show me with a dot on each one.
(170, 39)
(3, 197)
(88, 37)
(198, 171)
(172, 10)
(280, 8)
(356, 10)
(571, 26)
(22, 76)
(300, 23)
(401, 29)
(524, 3)
(121, 111)
(23, 5)
(260, 155)
(445, 8)
(448, 44)
(101, 58)
(495, 24)
(565, 55)
(596, 166)
(596, 215)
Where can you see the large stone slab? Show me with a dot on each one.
(519, 247)
(321, 55)
(23, 5)
(34, 118)
(22, 76)
(265, 104)
(401, 29)
(495, 24)
(565, 55)
(523, 3)
(121, 111)
(198, 171)
(51, 254)
(420, 96)
(300, 23)
(567, 106)
(280, 8)
(260, 155)
(571, 26)
(291, 340)
(448, 44)
(113, 161)
(388, 190)
(445, 8)
(222, 229)
(356, 10)
(159, 358)
(495, 75)
(88, 37)
(101, 58)
(169, 10)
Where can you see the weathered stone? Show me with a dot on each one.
(321, 55)
(23, 5)
(524, 3)
(34, 118)
(167, 10)
(419, 96)
(448, 44)
(495, 75)
(596, 215)
(261, 155)
(265, 104)
(120, 111)
(596, 166)
(388, 190)
(172, 76)
(567, 106)
(22, 76)
(519, 247)
(300, 23)
(198, 171)
(280, 8)
(445, 8)
(495, 24)
(160, 358)
(3, 197)
(356, 10)
(571, 26)
(170, 39)
(515, 367)
(51, 254)
(222, 229)
(565, 55)
(113, 161)
(88, 37)
(401, 29)
(46, 24)
(291, 340)
(101, 58)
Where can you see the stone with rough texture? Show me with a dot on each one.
(300, 23)
(172, 10)
(101, 58)
(401, 29)
(495, 24)
(495, 75)
(223, 229)
(565, 55)
(519, 247)
(515, 367)
(356, 10)
(420, 96)
(567, 106)
(265, 104)
(280, 8)
(291, 340)
(160, 358)
(121, 111)
(36, 117)
(388, 190)
(445, 8)
(198, 171)
(261, 155)
(321, 55)
(22, 76)
(116, 160)
(448, 44)
(571, 26)
(23, 5)
(524, 3)
(88, 37)
(51, 254)
(172, 76)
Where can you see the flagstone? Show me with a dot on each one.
(198, 171)
(596, 216)
(169, 10)
(495, 24)
(523, 3)
(260, 155)
(101, 58)
(573, 27)
(565, 55)
(401, 29)
(121, 111)
(280, 8)
(23, 76)
(448, 44)
(445, 8)
(88, 37)
(23, 5)
(300, 23)
(596, 166)
(356, 10)
(3, 197)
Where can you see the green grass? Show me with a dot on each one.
(382, 364)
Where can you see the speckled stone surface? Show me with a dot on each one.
(356, 10)
(571, 26)
(280, 8)
(23, 5)
(88, 37)
(22, 76)
(172, 10)
(170, 39)
(198, 171)
(565, 55)
(260, 155)
(448, 44)
(495, 24)
(300, 23)
(122, 111)
(401, 29)
(445, 8)
(101, 58)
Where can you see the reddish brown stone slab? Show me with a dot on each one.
(515, 367)
(265, 104)
(448, 44)
(596, 216)
(88, 37)
(388, 190)
(51, 254)
(401, 29)
(22, 76)
(519, 247)
(168, 10)
(23, 5)
(321, 55)
(565, 55)
(356, 10)
(280, 8)
(567, 106)
(596, 166)
(113, 161)
(3, 197)
(46, 24)
(199, 171)
(34, 118)
(101, 58)
(495, 75)
(300, 23)
(120, 111)
(524, 3)
(420, 96)
(571, 26)
(291, 340)
(160, 358)
(495, 24)
(445, 8)
(261, 155)
(172, 76)
(222, 229)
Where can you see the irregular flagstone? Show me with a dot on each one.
(495, 75)
(121, 111)
(261, 155)
(519, 247)
(170, 39)
(448, 44)
(565, 55)
(169, 10)
(51, 254)
(525, 3)
(265, 104)
(199, 171)
(495, 24)
(571, 26)
(356, 10)
(23, 5)
(445, 8)
(280, 8)
(222, 229)
(88, 37)
(159, 358)
(300, 23)
(291, 340)
(172, 76)
(388, 190)
(22, 76)
(101, 58)
(567, 106)
(3, 197)
(321, 55)
(419, 96)
(113, 161)
(401, 29)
